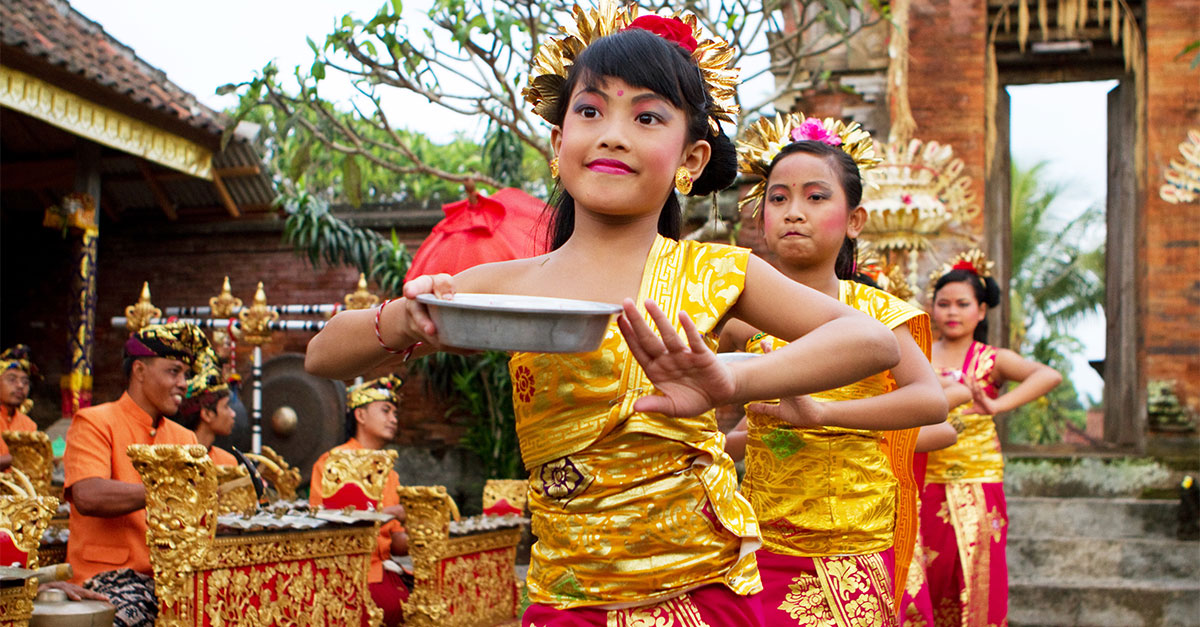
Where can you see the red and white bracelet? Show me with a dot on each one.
(379, 335)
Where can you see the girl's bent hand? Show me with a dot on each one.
(688, 377)
(799, 411)
(417, 323)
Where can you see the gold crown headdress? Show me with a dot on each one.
(555, 57)
(384, 388)
(767, 136)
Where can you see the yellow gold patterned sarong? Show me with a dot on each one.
(833, 491)
(631, 508)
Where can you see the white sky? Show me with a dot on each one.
(203, 46)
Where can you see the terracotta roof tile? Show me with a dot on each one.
(52, 31)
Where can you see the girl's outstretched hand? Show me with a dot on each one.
(688, 377)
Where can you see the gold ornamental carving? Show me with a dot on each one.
(235, 491)
(24, 517)
(66, 110)
(361, 298)
(139, 315)
(1183, 177)
(302, 578)
(472, 574)
(366, 468)
(224, 305)
(515, 491)
(257, 318)
(276, 471)
(33, 455)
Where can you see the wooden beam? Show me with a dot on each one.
(226, 199)
(160, 194)
(238, 171)
(55, 173)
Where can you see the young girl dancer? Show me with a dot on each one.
(634, 502)
(832, 483)
(964, 519)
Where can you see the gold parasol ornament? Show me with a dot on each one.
(555, 57)
(139, 315)
(257, 318)
(361, 297)
(916, 193)
(1183, 179)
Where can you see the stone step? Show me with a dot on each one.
(1036, 516)
(1052, 602)
(1103, 558)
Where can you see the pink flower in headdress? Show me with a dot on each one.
(813, 130)
(668, 28)
(906, 199)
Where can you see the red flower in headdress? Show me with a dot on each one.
(668, 28)
(965, 265)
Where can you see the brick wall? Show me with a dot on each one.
(946, 78)
(1171, 309)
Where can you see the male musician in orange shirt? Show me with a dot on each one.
(107, 546)
(371, 424)
(16, 370)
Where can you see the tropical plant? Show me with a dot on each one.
(479, 385)
(1057, 280)
(316, 233)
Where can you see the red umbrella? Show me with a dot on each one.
(504, 226)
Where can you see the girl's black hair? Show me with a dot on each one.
(644, 59)
(351, 429)
(987, 292)
(845, 265)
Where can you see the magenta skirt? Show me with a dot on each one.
(708, 606)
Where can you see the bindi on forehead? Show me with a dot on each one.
(620, 92)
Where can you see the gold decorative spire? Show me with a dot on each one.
(257, 318)
(225, 304)
(361, 298)
(139, 315)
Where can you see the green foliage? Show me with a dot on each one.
(1082, 477)
(1056, 281)
(322, 237)
(479, 385)
(303, 160)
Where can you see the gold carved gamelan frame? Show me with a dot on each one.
(24, 516)
(467, 580)
(303, 578)
(33, 455)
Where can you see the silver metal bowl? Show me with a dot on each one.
(531, 324)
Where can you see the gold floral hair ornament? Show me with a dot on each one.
(768, 136)
(972, 260)
(556, 56)
(385, 388)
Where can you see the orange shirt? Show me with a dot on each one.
(16, 422)
(96, 443)
(383, 549)
(222, 457)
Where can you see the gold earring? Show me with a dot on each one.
(554, 167)
(683, 180)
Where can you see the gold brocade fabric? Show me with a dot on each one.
(631, 508)
(829, 490)
(976, 456)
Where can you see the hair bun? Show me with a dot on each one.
(722, 166)
(991, 291)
